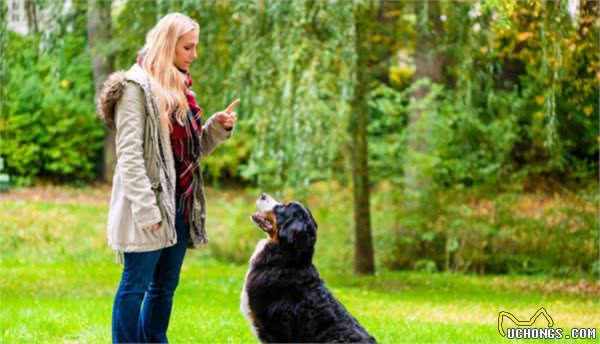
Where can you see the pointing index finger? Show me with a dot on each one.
(232, 106)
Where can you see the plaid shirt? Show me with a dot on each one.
(185, 140)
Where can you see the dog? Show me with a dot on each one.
(283, 297)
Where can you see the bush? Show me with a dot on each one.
(49, 129)
(500, 233)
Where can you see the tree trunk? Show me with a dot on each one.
(428, 60)
(31, 11)
(98, 29)
(364, 261)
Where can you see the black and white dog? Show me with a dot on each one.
(284, 298)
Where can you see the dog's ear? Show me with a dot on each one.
(290, 230)
(298, 237)
(314, 222)
(305, 239)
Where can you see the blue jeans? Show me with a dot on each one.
(154, 274)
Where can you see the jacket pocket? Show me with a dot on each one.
(165, 228)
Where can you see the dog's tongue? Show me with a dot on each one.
(263, 223)
(257, 217)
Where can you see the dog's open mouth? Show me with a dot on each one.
(262, 222)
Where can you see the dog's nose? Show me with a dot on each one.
(263, 196)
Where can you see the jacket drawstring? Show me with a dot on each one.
(120, 257)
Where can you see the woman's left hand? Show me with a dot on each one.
(228, 117)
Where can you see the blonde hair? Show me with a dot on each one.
(159, 54)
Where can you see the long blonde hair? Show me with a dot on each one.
(159, 54)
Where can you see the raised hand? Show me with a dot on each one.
(228, 117)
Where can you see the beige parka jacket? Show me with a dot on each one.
(143, 191)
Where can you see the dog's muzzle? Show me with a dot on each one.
(265, 206)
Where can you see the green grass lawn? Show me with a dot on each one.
(58, 279)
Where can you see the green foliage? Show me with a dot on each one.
(518, 101)
(23, 152)
(298, 99)
(536, 59)
(507, 233)
(479, 142)
(388, 115)
(130, 21)
(227, 161)
(505, 116)
(507, 112)
(466, 145)
(49, 128)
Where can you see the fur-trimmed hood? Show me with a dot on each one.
(112, 90)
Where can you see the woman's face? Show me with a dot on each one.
(185, 49)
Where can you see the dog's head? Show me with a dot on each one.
(289, 225)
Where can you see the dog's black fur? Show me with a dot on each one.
(287, 298)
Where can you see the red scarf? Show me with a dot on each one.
(185, 141)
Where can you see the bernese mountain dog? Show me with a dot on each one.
(284, 298)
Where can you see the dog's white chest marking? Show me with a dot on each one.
(244, 301)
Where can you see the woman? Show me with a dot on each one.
(157, 207)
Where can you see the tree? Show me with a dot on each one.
(32, 20)
(301, 84)
(99, 32)
(364, 261)
(428, 61)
